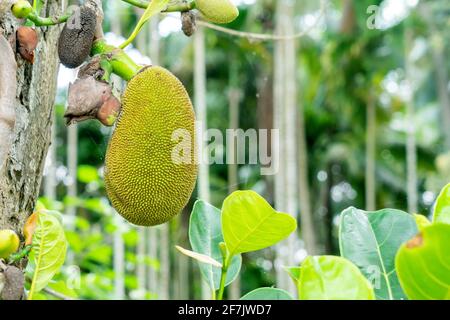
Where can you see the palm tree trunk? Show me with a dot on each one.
(280, 176)
(72, 164)
(371, 122)
(442, 78)
(118, 243)
(201, 111)
(234, 97)
(118, 260)
(411, 149)
(154, 51)
(141, 249)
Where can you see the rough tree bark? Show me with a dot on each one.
(21, 174)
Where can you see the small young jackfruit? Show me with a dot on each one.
(146, 184)
(9, 243)
(75, 41)
(218, 11)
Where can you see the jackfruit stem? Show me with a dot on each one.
(121, 63)
(32, 15)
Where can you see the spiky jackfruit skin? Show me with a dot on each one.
(144, 183)
(218, 11)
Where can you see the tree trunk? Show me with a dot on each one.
(141, 272)
(234, 97)
(371, 123)
(154, 51)
(442, 79)
(411, 148)
(201, 111)
(280, 176)
(348, 22)
(21, 174)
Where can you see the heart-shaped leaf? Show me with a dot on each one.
(267, 294)
(48, 251)
(249, 223)
(442, 206)
(423, 264)
(371, 240)
(332, 278)
(205, 235)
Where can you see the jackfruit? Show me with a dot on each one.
(147, 182)
(75, 41)
(218, 11)
(9, 243)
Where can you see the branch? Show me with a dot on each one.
(8, 83)
(57, 294)
(50, 21)
(54, 293)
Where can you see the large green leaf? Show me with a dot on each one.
(267, 294)
(332, 278)
(442, 206)
(249, 223)
(205, 234)
(48, 251)
(423, 264)
(371, 240)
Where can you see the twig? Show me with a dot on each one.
(53, 292)
(57, 294)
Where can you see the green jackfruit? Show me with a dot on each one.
(218, 11)
(147, 182)
(9, 243)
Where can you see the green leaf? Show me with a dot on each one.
(205, 235)
(249, 223)
(371, 240)
(294, 273)
(421, 221)
(332, 278)
(87, 174)
(48, 250)
(423, 264)
(155, 7)
(267, 294)
(442, 206)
